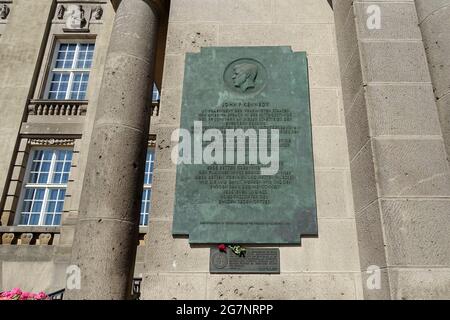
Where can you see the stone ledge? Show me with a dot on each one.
(32, 229)
(69, 130)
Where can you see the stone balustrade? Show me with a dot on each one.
(57, 107)
(29, 236)
(69, 108)
(42, 236)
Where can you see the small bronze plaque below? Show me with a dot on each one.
(256, 260)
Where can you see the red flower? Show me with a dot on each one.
(222, 247)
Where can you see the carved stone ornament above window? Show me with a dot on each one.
(4, 11)
(60, 12)
(76, 19)
(97, 12)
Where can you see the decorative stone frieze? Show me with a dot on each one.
(78, 16)
(51, 142)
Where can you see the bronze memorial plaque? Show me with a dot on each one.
(255, 260)
(245, 170)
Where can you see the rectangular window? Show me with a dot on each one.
(69, 76)
(146, 195)
(155, 94)
(45, 187)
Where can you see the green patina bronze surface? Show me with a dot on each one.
(248, 88)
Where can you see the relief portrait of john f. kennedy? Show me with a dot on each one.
(244, 76)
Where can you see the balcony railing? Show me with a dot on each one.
(69, 108)
(29, 235)
(57, 107)
(135, 294)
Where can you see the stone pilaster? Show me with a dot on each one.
(434, 22)
(400, 174)
(107, 231)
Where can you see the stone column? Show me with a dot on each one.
(106, 238)
(400, 174)
(434, 22)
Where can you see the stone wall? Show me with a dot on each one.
(326, 266)
(400, 174)
(382, 176)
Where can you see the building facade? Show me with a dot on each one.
(74, 74)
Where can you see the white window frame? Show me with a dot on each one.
(148, 186)
(46, 186)
(72, 71)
